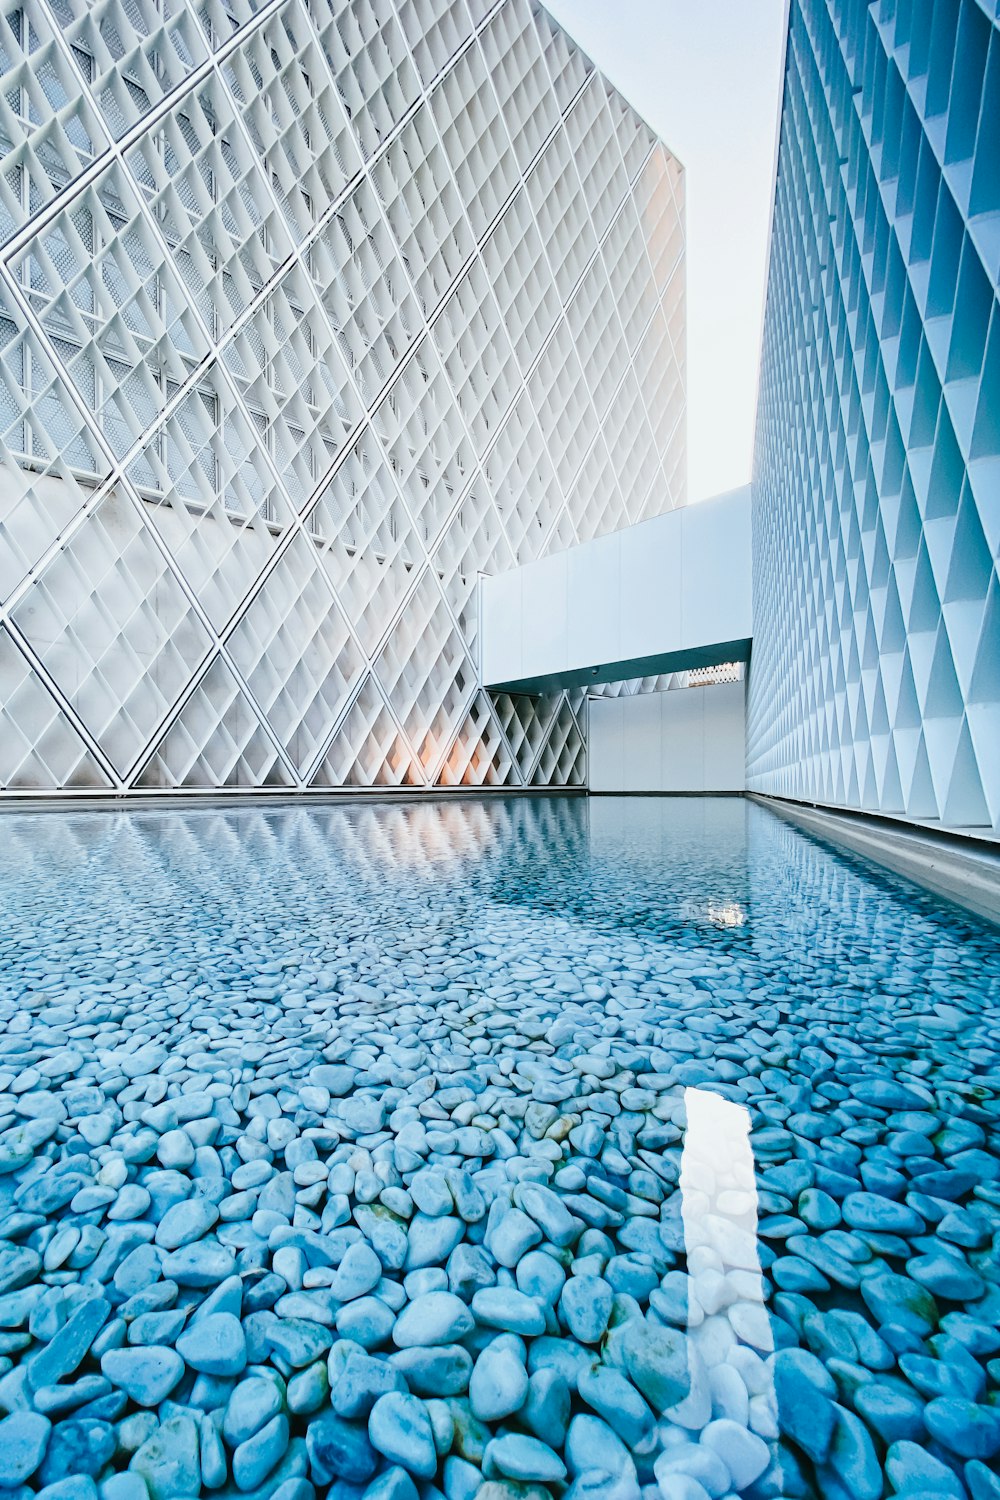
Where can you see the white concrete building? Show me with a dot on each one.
(874, 677)
(342, 412)
(875, 682)
(310, 311)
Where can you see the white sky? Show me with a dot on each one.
(706, 75)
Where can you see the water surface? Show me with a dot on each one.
(693, 1120)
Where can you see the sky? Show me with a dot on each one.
(706, 75)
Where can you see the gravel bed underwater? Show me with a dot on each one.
(515, 1149)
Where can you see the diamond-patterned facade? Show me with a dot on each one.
(310, 312)
(875, 680)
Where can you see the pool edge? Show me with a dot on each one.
(962, 870)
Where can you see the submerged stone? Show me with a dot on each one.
(24, 1437)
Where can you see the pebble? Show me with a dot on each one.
(444, 1370)
(399, 1427)
(525, 1459)
(963, 1427)
(540, 1277)
(983, 1482)
(614, 1398)
(591, 1444)
(656, 1360)
(556, 1223)
(510, 1233)
(147, 1375)
(215, 1344)
(367, 1321)
(546, 1410)
(898, 1301)
(212, 1453)
(510, 1310)
(358, 1273)
(24, 1437)
(339, 1450)
(818, 1210)
(356, 1381)
(309, 1389)
(890, 1411)
(805, 1394)
(498, 1384)
(253, 1402)
(853, 1457)
(73, 1487)
(585, 1306)
(256, 1456)
(960, 1376)
(64, 1353)
(80, 1445)
(910, 1469)
(434, 1318)
(947, 1277)
(185, 1222)
(168, 1460)
(126, 1486)
(744, 1454)
(430, 1241)
(201, 1265)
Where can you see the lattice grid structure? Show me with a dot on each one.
(310, 311)
(875, 680)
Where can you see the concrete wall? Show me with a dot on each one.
(875, 682)
(653, 597)
(687, 740)
(240, 547)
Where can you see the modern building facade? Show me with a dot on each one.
(314, 312)
(875, 677)
(311, 310)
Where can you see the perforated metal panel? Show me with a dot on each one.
(875, 680)
(311, 310)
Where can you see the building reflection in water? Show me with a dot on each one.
(729, 1330)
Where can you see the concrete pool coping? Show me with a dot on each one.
(959, 868)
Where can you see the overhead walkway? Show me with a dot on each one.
(664, 596)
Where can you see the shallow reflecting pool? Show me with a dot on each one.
(507, 1148)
